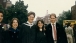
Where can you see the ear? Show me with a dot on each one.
(56, 19)
(28, 17)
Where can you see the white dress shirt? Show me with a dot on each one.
(52, 29)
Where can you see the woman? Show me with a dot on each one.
(13, 32)
(40, 32)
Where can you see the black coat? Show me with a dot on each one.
(61, 35)
(27, 34)
(2, 33)
(12, 36)
(41, 37)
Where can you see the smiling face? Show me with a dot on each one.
(40, 24)
(15, 24)
(1, 17)
(53, 18)
(31, 18)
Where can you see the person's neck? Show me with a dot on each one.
(40, 29)
(30, 22)
(14, 28)
(53, 22)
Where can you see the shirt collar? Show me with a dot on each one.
(29, 23)
(53, 23)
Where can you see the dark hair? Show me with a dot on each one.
(13, 20)
(38, 26)
(1, 11)
(53, 14)
(68, 24)
(31, 13)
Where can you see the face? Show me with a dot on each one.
(40, 25)
(31, 18)
(15, 24)
(52, 19)
(1, 17)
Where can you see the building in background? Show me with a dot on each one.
(46, 19)
(5, 3)
(73, 11)
(39, 18)
(8, 4)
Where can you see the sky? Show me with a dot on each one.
(40, 7)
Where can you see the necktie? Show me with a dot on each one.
(54, 30)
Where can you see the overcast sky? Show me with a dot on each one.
(40, 7)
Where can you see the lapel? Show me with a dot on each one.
(50, 28)
(57, 26)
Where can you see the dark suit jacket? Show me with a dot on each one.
(2, 33)
(61, 35)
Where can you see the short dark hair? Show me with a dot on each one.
(53, 14)
(68, 24)
(13, 20)
(31, 13)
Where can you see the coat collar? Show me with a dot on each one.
(29, 23)
(51, 25)
(11, 29)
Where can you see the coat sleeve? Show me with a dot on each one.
(21, 32)
(47, 34)
(63, 37)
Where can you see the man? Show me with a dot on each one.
(2, 28)
(28, 29)
(55, 32)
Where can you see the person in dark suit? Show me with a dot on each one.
(28, 30)
(13, 32)
(2, 28)
(74, 30)
(55, 32)
(40, 32)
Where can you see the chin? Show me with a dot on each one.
(31, 21)
(0, 21)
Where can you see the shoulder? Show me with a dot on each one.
(58, 24)
(48, 25)
(23, 24)
(10, 29)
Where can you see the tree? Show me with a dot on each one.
(1, 7)
(19, 10)
(66, 15)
